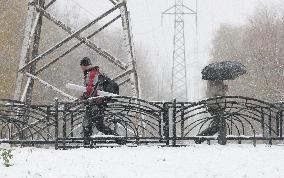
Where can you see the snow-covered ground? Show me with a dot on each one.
(196, 161)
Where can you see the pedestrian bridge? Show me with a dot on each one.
(141, 122)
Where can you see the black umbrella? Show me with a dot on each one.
(226, 70)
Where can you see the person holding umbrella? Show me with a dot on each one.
(215, 89)
(215, 74)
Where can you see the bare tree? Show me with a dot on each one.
(259, 45)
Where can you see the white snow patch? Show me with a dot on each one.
(196, 161)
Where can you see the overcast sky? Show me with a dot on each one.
(155, 34)
(147, 26)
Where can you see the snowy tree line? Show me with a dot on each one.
(259, 45)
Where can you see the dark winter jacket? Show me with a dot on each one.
(215, 89)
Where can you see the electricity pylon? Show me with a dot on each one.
(29, 68)
(179, 72)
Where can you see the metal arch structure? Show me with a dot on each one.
(164, 123)
(61, 124)
(29, 58)
(179, 70)
(20, 121)
(243, 119)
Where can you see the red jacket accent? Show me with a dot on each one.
(91, 78)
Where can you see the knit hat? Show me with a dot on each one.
(85, 61)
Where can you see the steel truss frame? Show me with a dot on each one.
(30, 57)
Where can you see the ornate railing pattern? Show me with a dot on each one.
(141, 122)
(245, 119)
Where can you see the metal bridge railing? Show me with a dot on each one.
(139, 122)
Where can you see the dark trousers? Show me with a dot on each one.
(218, 125)
(211, 130)
(95, 116)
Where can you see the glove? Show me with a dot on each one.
(83, 96)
